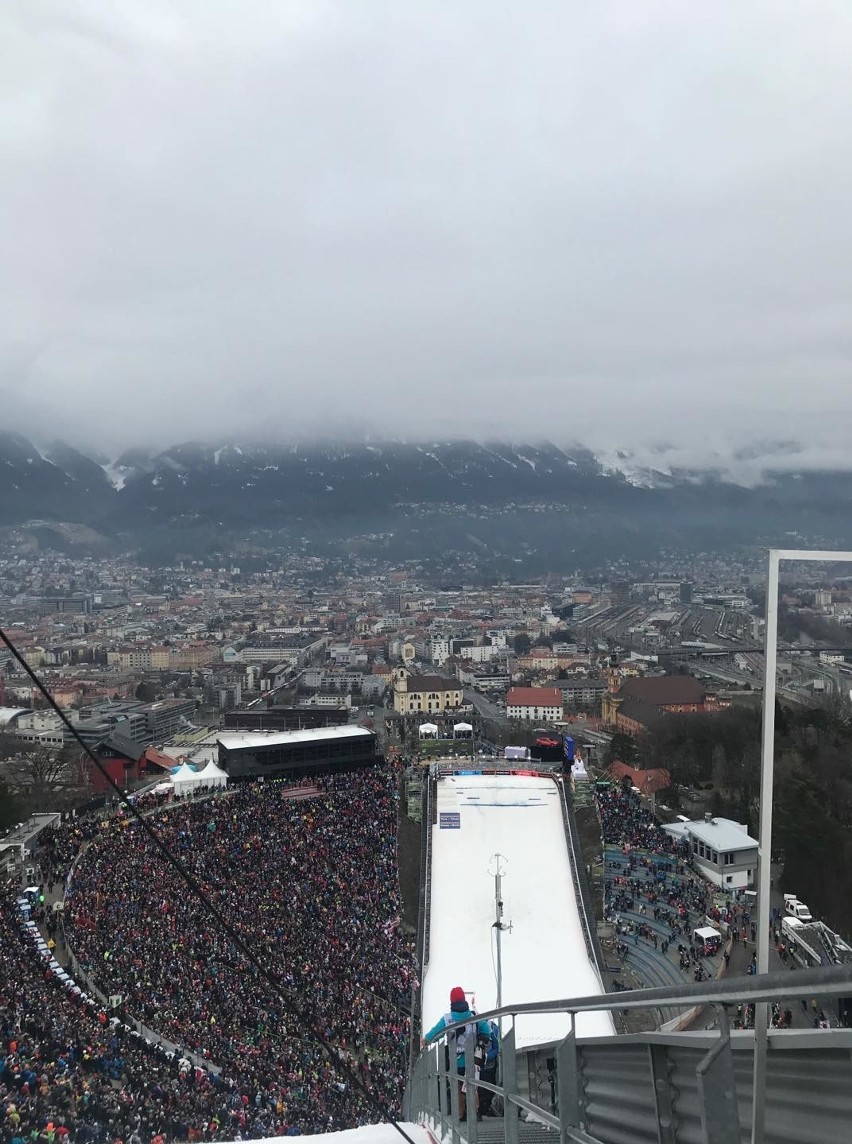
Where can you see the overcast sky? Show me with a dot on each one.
(620, 222)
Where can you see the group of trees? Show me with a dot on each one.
(35, 777)
(813, 787)
(11, 808)
(719, 751)
(792, 625)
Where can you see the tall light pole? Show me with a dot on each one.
(767, 782)
(498, 926)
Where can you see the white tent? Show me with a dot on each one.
(185, 780)
(707, 933)
(428, 730)
(462, 731)
(213, 776)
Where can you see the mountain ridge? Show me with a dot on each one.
(230, 488)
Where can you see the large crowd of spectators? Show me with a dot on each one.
(654, 875)
(651, 878)
(311, 886)
(70, 1072)
(654, 897)
(627, 821)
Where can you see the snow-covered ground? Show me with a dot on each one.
(369, 1134)
(544, 955)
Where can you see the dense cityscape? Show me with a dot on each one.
(181, 646)
(169, 673)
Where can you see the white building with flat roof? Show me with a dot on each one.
(722, 850)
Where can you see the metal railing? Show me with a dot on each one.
(653, 1088)
(581, 884)
(425, 904)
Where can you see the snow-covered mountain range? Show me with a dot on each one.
(240, 485)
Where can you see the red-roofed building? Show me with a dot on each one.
(647, 782)
(534, 704)
(154, 760)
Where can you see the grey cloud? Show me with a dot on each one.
(618, 223)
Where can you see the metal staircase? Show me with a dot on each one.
(492, 1130)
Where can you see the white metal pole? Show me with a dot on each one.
(499, 968)
(498, 926)
(758, 1122)
(764, 851)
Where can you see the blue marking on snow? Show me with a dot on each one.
(509, 805)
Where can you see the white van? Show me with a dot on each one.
(790, 928)
(797, 909)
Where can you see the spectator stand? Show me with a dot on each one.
(65, 1063)
(246, 847)
(272, 1082)
(652, 897)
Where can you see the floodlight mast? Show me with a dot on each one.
(498, 926)
(767, 783)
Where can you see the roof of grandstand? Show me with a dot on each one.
(234, 740)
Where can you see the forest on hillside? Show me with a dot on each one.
(719, 754)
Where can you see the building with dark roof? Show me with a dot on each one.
(671, 692)
(421, 694)
(635, 716)
(244, 755)
(641, 701)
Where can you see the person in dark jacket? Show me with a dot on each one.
(488, 1072)
(459, 1015)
